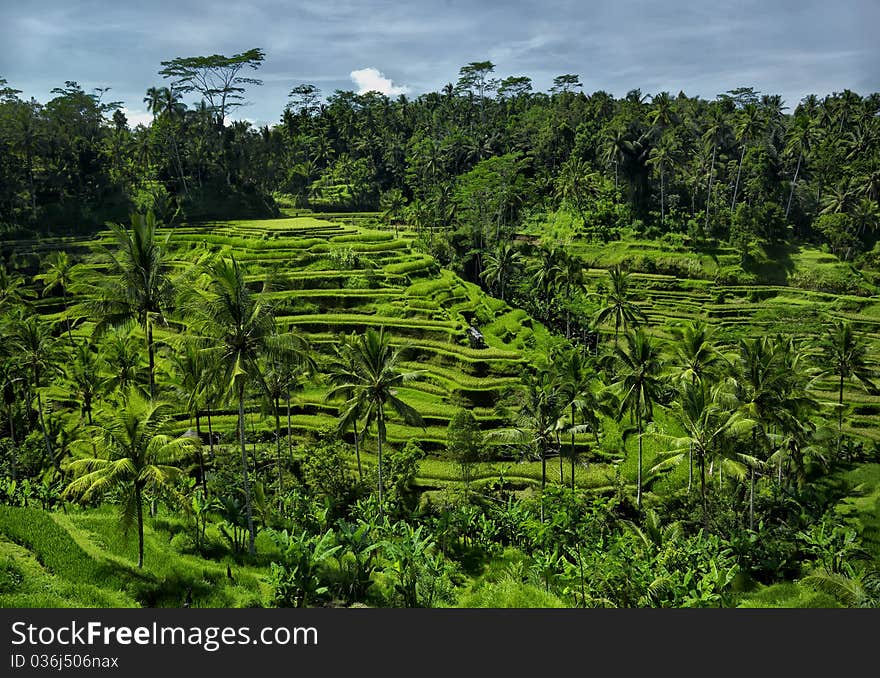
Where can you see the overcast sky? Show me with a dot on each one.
(787, 47)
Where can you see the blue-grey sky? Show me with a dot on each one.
(787, 47)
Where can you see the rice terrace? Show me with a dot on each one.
(486, 346)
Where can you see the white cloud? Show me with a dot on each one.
(136, 117)
(371, 80)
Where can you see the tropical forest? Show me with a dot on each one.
(486, 346)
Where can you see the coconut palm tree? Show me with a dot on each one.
(748, 126)
(84, 372)
(843, 354)
(500, 266)
(696, 359)
(639, 384)
(235, 328)
(538, 414)
(716, 135)
(31, 344)
(799, 143)
(368, 379)
(618, 305)
(708, 418)
(139, 455)
(13, 291)
(576, 390)
(137, 287)
(58, 275)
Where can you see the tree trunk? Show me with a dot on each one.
(50, 456)
(357, 452)
(14, 446)
(709, 194)
(561, 471)
(210, 433)
(573, 453)
(201, 455)
(278, 451)
(690, 467)
(736, 185)
(752, 501)
(140, 520)
(702, 462)
(381, 439)
(793, 184)
(289, 437)
(839, 415)
(662, 199)
(639, 480)
(152, 358)
(244, 472)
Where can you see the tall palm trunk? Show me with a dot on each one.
(357, 452)
(662, 199)
(50, 456)
(289, 437)
(244, 472)
(736, 185)
(839, 414)
(543, 476)
(381, 439)
(793, 183)
(201, 455)
(151, 353)
(639, 488)
(690, 467)
(573, 454)
(709, 194)
(278, 451)
(210, 432)
(702, 462)
(138, 498)
(752, 500)
(561, 471)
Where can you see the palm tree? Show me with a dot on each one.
(708, 418)
(845, 355)
(571, 278)
(84, 372)
(617, 303)
(13, 291)
(696, 356)
(749, 124)
(662, 157)
(576, 390)
(188, 365)
(139, 456)
(235, 329)
(31, 344)
(58, 275)
(368, 379)
(501, 266)
(800, 139)
(137, 287)
(121, 361)
(639, 384)
(546, 274)
(538, 418)
(696, 359)
(280, 377)
(715, 135)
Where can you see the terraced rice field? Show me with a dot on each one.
(326, 277)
